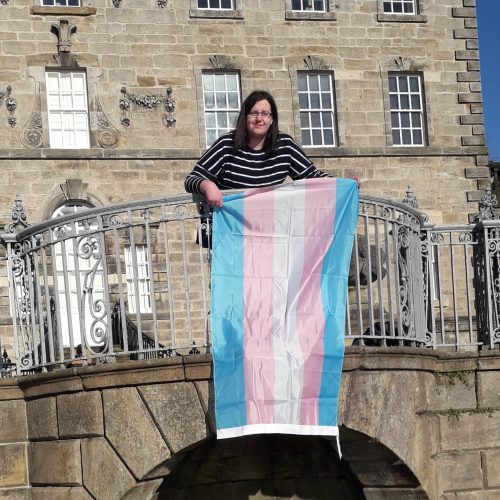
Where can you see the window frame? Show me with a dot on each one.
(62, 110)
(220, 110)
(140, 274)
(310, 15)
(410, 110)
(416, 17)
(333, 109)
(234, 13)
(81, 3)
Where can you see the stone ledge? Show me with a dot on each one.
(43, 10)
(291, 15)
(194, 154)
(401, 18)
(216, 14)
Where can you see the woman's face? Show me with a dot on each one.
(259, 119)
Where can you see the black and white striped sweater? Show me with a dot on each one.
(239, 169)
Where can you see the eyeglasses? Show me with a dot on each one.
(255, 114)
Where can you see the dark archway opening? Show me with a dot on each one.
(262, 466)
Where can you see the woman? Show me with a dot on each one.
(255, 154)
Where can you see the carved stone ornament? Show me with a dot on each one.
(10, 104)
(148, 101)
(107, 134)
(18, 217)
(117, 3)
(74, 189)
(32, 134)
(314, 63)
(4, 2)
(64, 30)
(162, 3)
(403, 63)
(221, 62)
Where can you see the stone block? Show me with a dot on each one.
(460, 471)
(16, 494)
(478, 130)
(468, 76)
(178, 413)
(489, 388)
(470, 23)
(104, 474)
(64, 466)
(491, 461)
(42, 418)
(465, 55)
(132, 432)
(13, 465)
(473, 141)
(473, 495)
(12, 421)
(455, 390)
(463, 12)
(469, 431)
(55, 493)
(394, 494)
(80, 414)
(470, 98)
(471, 44)
(205, 390)
(471, 119)
(465, 33)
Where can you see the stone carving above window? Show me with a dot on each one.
(107, 134)
(64, 30)
(315, 64)
(221, 62)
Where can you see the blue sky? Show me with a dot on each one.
(488, 18)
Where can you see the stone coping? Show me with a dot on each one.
(43, 10)
(199, 367)
(194, 154)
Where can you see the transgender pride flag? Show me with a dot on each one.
(280, 263)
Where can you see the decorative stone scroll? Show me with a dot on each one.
(162, 3)
(4, 2)
(149, 101)
(107, 134)
(32, 134)
(10, 104)
(117, 3)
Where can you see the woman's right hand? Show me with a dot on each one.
(212, 193)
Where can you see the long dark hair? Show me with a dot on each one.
(240, 132)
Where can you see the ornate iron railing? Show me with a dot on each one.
(129, 281)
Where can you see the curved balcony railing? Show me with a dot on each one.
(130, 281)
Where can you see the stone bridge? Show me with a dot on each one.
(416, 424)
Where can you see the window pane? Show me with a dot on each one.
(232, 120)
(395, 138)
(325, 82)
(328, 137)
(209, 101)
(306, 138)
(405, 102)
(208, 82)
(222, 120)
(210, 120)
(315, 101)
(393, 84)
(394, 102)
(313, 83)
(415, 120)
(232, 82)
(221, 100)
(406, 135)
(226, 4)
(417, 137)
(233, 100)
(302, 83)
(395, 119)
(317, 138)
(211, 137)
(327, 119)
(326, 102)
(303, 102)
(405, 119)
(415, 101)
(220, 82)
(414, 84)
(304, 120)
(315, 120)
(202, 4)
(403, 84)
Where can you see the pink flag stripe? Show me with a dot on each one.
(310, 319)
(258, 270)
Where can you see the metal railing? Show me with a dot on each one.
(129, 281)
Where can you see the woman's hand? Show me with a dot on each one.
(212, 193)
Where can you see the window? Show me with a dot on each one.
(138, 277)
(317, 112)
(407, 109)
(309, 5)
(221, 100)
(62, 3)
(67, 109)
(400, 6)
(216, 4)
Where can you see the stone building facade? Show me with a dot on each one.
(137, 72)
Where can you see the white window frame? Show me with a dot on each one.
(218, 2)
(67, 105)
(56, 3)
(308, 6)
(391, 5)
(314, 111)
(406, 117)
(222, 114)
(139, 274)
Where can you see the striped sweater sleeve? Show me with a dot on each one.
(210, 165)
(301, 167)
